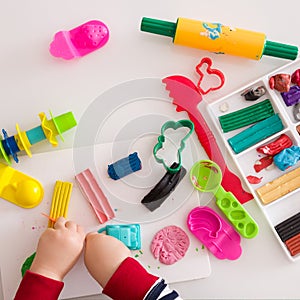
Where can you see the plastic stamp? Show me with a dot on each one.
(206, 176)
(23, 140)
(254, 94)
(79, 41)
(19, 188)
(186, 97)
(93, 193)
(162, 138)
(246, 116)
(170, 244)
(255, 133)
(161, 191)
(287, 157)
(60, 201)
(215, 233)
(206, 61)
(124, 166)
(279, 187)
(128, 234)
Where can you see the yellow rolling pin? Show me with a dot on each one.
(215, 37)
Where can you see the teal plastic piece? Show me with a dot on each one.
(206, 176)
(255, 133)
(246, 116)
(35, 135)
(128, 234)
(161, 139)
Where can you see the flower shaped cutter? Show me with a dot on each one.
(161, 139)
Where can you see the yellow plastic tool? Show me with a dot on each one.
(60, 201)
(19, 188)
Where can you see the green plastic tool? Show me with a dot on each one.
(206, 176)
(161, 140)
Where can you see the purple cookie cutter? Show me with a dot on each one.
(215, 233)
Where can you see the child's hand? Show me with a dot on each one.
(58, 249)
(103, 255)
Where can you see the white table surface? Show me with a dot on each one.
(31, 81)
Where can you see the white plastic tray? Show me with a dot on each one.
(288, 205)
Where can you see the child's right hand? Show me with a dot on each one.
(103, 255)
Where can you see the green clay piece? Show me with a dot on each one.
(206, 176)
(246, 116)
(27, 263)
(161, 139)
(255, 133)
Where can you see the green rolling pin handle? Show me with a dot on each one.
(236, 213)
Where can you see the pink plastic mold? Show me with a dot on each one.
(215, 233)
(79, 41)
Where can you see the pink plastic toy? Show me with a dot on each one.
(79, 41)
(215, 233)
(186, 97)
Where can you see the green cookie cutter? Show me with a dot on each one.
(161, 139)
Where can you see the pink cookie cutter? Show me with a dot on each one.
(79, 41)
(215, 233)
(95, 196)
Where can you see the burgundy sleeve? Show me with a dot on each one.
(130, 281)
(37, 287)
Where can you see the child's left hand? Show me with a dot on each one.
(58, 249)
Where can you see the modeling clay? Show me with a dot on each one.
(246, 116)
(60, 201)
(22, 141)
(255, 133)
(217, 73)
(254, 94)
(124, 166)
(206, 176)
(298, 129)
(296, 111)
(291, 97)
(162, 139)
(129, 234)
(279, 187)
(280, 82)
(263, 163)
(293, 244)
(187, 97)
(170, 244)
(276, 146)
(254, 179)
(79, 41)
(19, 188)
(287, 157)
(93, 193)
(215, 37)
(163, 188)
(289, 227)
(215, 233)
(296, 77)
